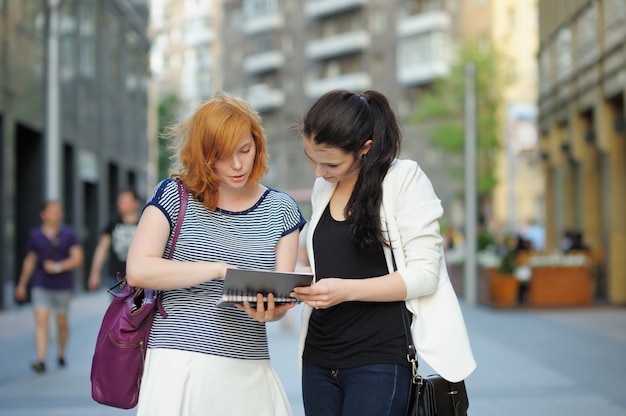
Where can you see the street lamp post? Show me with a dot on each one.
(470, 281)
(52, 133)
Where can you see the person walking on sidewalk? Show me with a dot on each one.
(115, 240)
(375, 247)
(54, 251)
(203, 359)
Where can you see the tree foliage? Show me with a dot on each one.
(168, 111)
(442, 109)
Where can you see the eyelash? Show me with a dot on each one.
(328, 165)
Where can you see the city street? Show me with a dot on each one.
(530, 362)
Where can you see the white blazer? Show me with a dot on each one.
(410, 216)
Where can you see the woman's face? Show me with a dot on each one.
(234, 171)
(331, 163)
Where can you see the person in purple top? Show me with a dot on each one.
(53, 252)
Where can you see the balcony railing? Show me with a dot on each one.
(263, 23)
(424, 73)
(199, 37)
(263, 98)
(320, 8)
(357, 82)
(264, 61)
(425, 22)
(342, 44)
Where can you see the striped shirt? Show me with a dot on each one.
(245, 239)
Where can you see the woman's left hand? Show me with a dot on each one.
(260, 313)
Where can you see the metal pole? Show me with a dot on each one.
(52, 135)
(471, 217)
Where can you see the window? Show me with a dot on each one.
(87, 39)
(259, 7)
(563, 53)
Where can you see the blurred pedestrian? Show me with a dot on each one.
(53, 252)
(375, 247)
(576, 243)
(204, 359)
(115, 240)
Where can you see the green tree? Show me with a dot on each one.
(441, 111)
(168, 112)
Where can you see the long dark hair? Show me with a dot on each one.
(346, 120)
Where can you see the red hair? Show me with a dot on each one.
(211, 134)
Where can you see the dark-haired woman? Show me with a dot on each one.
(376, 250)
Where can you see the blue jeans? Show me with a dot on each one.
(376, 389)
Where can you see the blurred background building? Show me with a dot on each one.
(562, 62)
(186, 50)
(285, 54)
(74, 116)
(510, 26)
(582, 118)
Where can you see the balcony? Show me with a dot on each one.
(263, 62)
(263, 23)
(341, 44)
(199, 37)
(357, 82)
(426, 22)
(315, 9)
(263, 98)
(423, 73)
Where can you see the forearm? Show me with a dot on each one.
(99, 256)
(160, 274)
(28, 267)
(387, 288)
(74, 261)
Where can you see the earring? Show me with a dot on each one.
(363, 157)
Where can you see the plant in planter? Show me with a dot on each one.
(504, 286)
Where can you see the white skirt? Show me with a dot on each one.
(181, 383)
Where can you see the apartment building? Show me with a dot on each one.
(283, 54)
(582, 118)
(73, 117)
(186, 50)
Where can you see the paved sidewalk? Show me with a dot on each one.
(569, 362)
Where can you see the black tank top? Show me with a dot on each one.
(352, 334)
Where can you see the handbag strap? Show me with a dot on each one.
(183, 197)
(411, 355)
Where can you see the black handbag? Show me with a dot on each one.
(432, 395)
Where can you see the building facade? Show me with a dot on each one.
(186, 50)
(283, 54)
(510, 26)
(582, 118)
(74, 117)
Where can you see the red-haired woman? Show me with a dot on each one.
(204, 359)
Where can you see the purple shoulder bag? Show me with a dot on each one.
(117, 365)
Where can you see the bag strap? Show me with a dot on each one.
(411, 355)
(183, 196)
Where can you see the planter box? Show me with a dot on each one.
(560, 286)
(503, 289)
